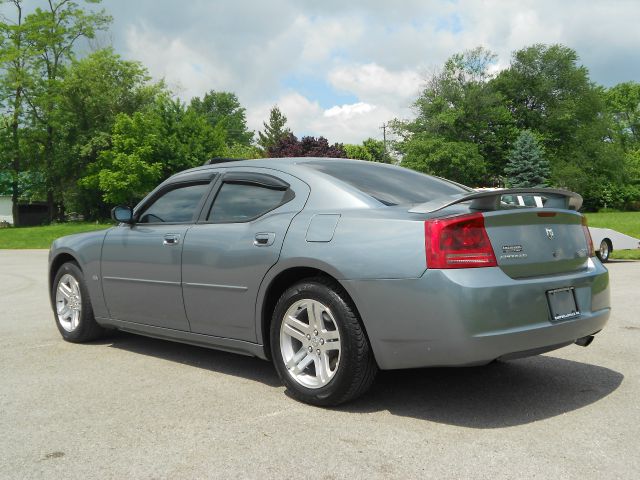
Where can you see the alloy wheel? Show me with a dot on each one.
(310, 343)
(68, 302)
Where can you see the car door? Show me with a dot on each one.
(141, 263)
(227, 254)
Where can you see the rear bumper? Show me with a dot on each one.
(473, 316)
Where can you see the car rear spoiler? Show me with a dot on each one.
(490, 200)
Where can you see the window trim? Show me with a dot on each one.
(262, 180)
(209, 181)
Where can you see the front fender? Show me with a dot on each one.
(86, 250)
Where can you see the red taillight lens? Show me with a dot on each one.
(587, 237)
(458, 242)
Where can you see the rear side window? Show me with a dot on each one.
(241, 202)
(388, 184)
(178, 205)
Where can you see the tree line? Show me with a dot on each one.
(85, 133)
(539, 122)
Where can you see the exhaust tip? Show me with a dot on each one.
(585, 341)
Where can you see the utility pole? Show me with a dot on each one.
(384, 140)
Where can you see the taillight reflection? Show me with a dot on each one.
(458, 242)
(587, 237)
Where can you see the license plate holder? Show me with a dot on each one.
(562, 304)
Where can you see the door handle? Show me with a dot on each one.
(171, 239)
(264, 239)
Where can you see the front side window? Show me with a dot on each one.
(178, 205)
(240, 202)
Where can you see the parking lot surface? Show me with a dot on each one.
(135, 407)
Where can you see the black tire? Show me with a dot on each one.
(356, 369)
(604, 252)
(87, 329)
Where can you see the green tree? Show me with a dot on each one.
(223, 109)
(53, 34)
(458, 161)
(129, 169)
(623, 103)
(15, 53)
(95, 89)
(149, 146)
(527, 166)
(460, 105)
(371, 150)
(274, 130)
(357, 152)
(376, 150)
(242, 152)
(548, 92)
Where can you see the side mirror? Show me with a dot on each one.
(122, 214)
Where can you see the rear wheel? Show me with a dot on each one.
(72, 307)
(604, 251)
(319, 347)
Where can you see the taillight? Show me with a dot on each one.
(458, 242)
(587, 237)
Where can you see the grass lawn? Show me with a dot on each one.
(41, 237)
(624, 222)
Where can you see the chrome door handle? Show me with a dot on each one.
(171, 239)
(264, 239)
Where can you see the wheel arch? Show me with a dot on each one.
(273, 288)
(57, 261)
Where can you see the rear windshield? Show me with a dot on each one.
(388, 184)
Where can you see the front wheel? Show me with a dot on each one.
(604, 251)
(319, 347)
(72, 307)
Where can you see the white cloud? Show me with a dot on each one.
(348, 111)
(374, 82)
(186, 71)
(349, 123)
(373, 51)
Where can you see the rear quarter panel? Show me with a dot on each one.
(364, 244)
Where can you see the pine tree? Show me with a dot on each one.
(275, 130)
(527, 166)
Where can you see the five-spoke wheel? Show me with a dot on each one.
(318, 344)
(72, 308)
(310, 343)
(68, 302)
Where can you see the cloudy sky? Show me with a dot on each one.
(341, 68)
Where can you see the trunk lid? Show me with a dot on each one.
(534, 242)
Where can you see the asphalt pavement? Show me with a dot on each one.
(135, 407)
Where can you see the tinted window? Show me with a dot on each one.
(238, 202)
(388, 184)
(176, 206)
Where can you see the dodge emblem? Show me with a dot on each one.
(549, 233)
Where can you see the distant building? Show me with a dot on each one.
(31, 214)
(6, 209)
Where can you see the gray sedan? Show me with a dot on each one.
(333, 269)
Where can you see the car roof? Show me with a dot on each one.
(267, 162)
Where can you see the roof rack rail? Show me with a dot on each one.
(215, 160)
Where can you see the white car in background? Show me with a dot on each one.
(604, 240)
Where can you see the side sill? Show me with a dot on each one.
(208, 341)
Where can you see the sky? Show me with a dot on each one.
(341, 68)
